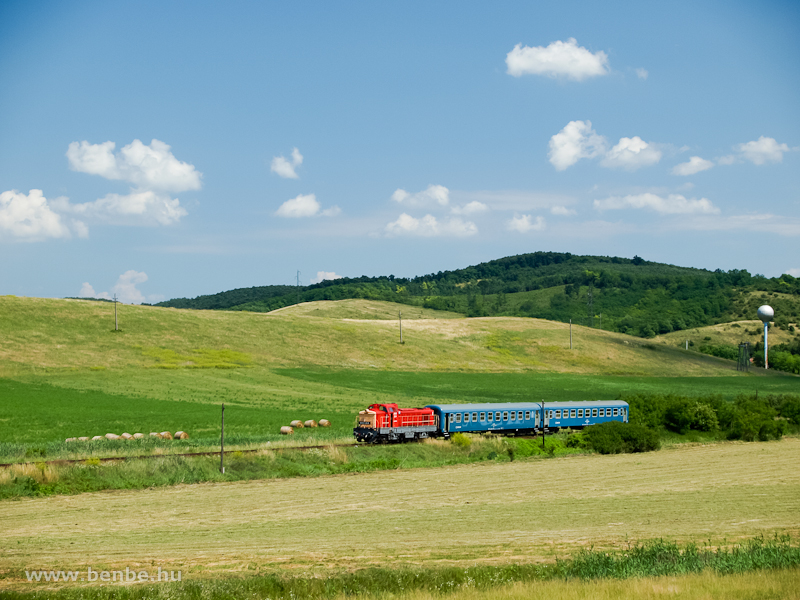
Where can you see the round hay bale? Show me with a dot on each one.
(166, 435)
(286, 430)
(310, 423)
(126, 436)
(112, 436)
(97, 437)
(83, 439)
(324, 423)
(181, 435)
(296, 424)
(155, 435)
(138, 436)
(71, 440)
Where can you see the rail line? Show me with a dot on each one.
(67, 461)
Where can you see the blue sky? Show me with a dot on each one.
(158, 150)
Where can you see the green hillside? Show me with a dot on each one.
(632, 296)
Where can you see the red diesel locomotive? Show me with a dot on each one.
(389, 423)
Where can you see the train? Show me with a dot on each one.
(381, 423)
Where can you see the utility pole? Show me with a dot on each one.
(570, 334)
(222, 443)
(116, 322)
(400, 316)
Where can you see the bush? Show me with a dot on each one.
(614, 437)
(753, 418)
(460, 440)
(790, 409)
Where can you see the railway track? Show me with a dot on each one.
(66, 461)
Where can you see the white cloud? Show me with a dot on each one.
(284, 168)
(631, 154)
(559, 59)
(139, 208)
(305, 205)
(674, 204)
(793, 272)
(525, 223)
(429, 226)
(434, 194)
(470, 208)
(125, 289)
(301, 206)
(325, 275)
(758, 222)
(642, 73)
(562, 211)
(148, 167)
(87, 291)
(762, 150)
(577, 140)
(695, 165)
(726, 160)
(30, 217)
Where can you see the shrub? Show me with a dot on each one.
(614, 437)
(753, 418)
(790, 409)
(460, 440)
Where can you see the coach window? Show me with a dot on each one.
(458, 417)
(527, 415)
(497, 416)
(603, 412)
(505, 416)
(466, 417)
(594, 412)
(474, 417)
(483, 416)
(451, 417)
(558, 414)
(572, 413)
(490, 415)
(580, 413)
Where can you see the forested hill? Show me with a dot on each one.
(627, 295)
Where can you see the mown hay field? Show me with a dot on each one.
(532, 510)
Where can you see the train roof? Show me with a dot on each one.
(523, 405)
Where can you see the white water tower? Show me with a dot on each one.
(766, 314)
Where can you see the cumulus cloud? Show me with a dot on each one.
(31, 218)
(137, 208)
(148, 167)
(559, 59)
(305, 205)
(434, 194)
(125, 289)
(642, 73)
(793, 272)
(577, 140)
(673, 204)
(286, 169)
(762, 150)
(325, 275)
(429, 226)
(470, 208)
(631, 154)
(562, 211)
(525, 223)
(695, 165)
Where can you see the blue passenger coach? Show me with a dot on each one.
(516, 417)
(582, 414)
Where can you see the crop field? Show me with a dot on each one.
(529, 511)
